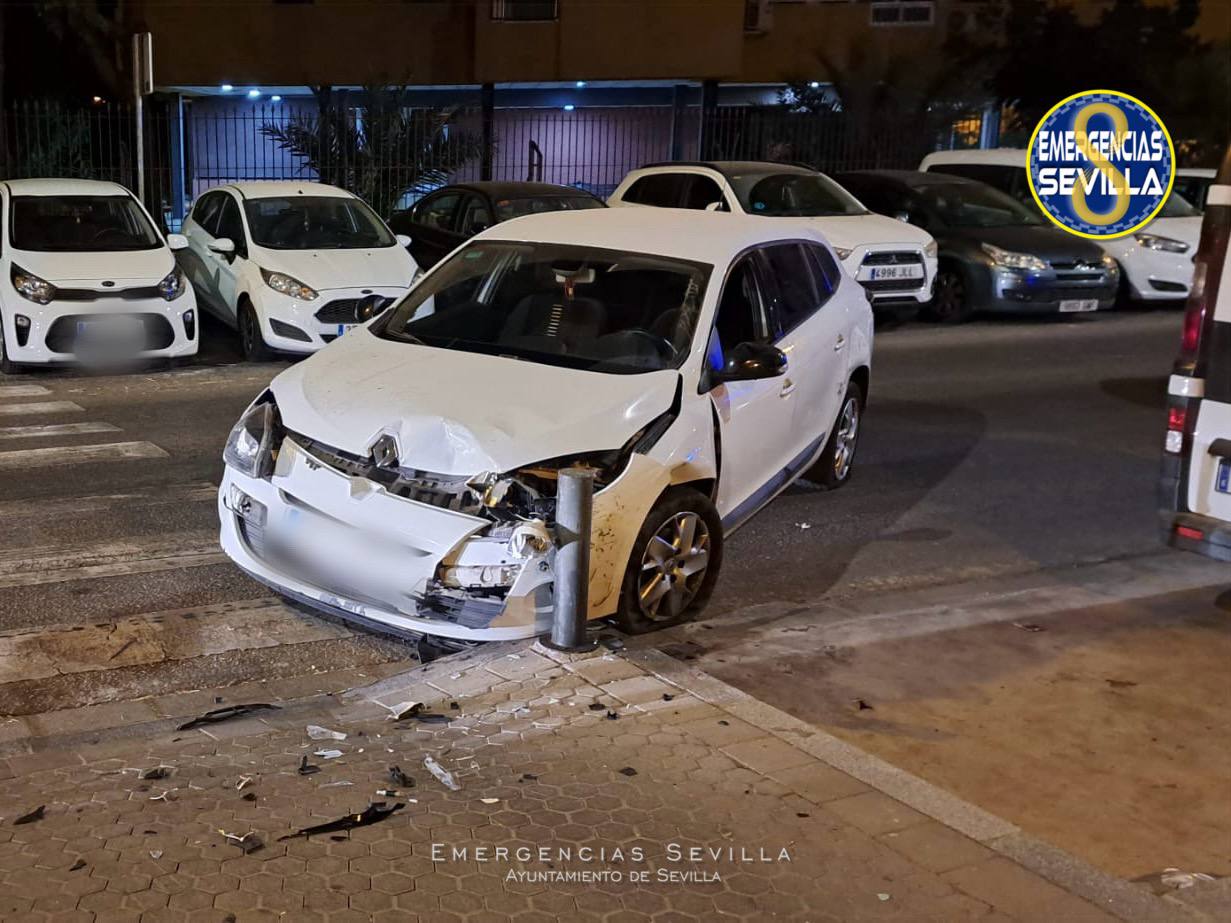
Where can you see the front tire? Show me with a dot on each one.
(837, 461)
(7, 365)
(250, 339)
(674, 563)
(951, 302)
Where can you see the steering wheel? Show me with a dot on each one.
(664, 347)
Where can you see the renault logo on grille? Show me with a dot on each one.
(385, 452)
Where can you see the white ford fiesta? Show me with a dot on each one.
(292, 266)
(85, 276)
(406, 475)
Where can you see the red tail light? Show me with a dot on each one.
(1176, 418)
(1207, 275)
(1187, 532)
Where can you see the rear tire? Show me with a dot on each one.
(250, 339)
(950, 302)
(837, 461)
(674, 563)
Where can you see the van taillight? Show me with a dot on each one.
(1176, 418)
(1190, 533)
(1207, 274)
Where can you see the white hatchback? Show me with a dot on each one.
(292, 266)
(85, 276)
(406, 476)
(894, 261)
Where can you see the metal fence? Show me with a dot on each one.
(390, 155)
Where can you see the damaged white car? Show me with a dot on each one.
(405, 476)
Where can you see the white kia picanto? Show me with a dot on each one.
(406, 475)
(292, 266)
(86, 277)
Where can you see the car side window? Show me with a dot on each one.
(661, 189)
(741, 316)
(476, 216)
(231, 225)
(793, 294)
(205, 212)
(437, 212)
(828, 274)
(702, 192)
(995, 175)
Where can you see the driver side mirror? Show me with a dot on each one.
(403, 240)
(718, 206)
(224, 247)
(752, 361)
(902, 216)
(177, 242)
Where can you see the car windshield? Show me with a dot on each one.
(1177, 206)
(581, 307)
(799, 195)
(78, 223)
(975, 205)
(315, 223)
(532, 205)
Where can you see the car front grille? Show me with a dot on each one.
(352, 310)
(62, 336)
(893, 258)
(141, 293)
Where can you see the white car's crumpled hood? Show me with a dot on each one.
(462, 413)
(123, 267)
(851, 231)
(328, 269)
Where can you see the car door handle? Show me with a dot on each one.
(787, 387)
(839, 343)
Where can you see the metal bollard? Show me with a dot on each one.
(574, 508)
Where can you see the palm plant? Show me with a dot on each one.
(376, 146)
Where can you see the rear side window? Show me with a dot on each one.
(702, 192)
(661, 189)
(1011, 180)
(828, 273)
(796, 298)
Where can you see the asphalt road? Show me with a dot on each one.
(995, 448)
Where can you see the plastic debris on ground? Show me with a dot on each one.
(30, 818)
(399, 778)
(78, 865)
(306, 768)
(1028, 626)
(413, 711)
(156, 854)
(442, 775)
(248, 842)
(373, 813)
(882, 896)
(316, 732)
(328, 754)
(1173, 879)
(226, 714)
(339, 784)
(490, 800)
(804, 525)
(244, 782)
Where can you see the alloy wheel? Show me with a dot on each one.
(950, 294)
(673, 566)
(845, 438)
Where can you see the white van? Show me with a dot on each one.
(1195, 492)
(1156, 263)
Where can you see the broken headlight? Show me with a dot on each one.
(254, 440)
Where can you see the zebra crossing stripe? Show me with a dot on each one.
(23, 391)
(55, 429)
(79, 454)
(13, 410)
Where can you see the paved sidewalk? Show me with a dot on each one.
(615, 787)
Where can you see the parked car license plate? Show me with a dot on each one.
(1222, 483)
(110, 328)
(1077, 305)
(344, 328)
(896, 272)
